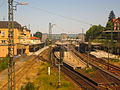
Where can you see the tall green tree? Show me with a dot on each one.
(111, 16)
(110, 25)
(38, 34)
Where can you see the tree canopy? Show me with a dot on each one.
(111, 16)
(109, 25)
(94, 32)
(38, 34)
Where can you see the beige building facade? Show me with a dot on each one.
(21, 38)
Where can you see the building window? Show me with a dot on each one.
(11, 41)
(3, 33)
(3, 41)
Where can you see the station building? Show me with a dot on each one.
(21, 39)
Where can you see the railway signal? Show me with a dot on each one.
(61, 54)
(60, 62)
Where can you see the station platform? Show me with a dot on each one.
(72, 60)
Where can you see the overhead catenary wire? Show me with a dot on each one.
(60, 15)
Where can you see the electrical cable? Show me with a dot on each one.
(56, 14)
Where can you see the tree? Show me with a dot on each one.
(38, 35)
(111, 16)
(94, 32)
(109, 25)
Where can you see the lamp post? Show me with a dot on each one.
(11, 62)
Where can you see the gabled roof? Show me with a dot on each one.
(4, 24)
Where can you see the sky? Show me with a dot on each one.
(69, 16)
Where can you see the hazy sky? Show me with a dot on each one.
(70, 16)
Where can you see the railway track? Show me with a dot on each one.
(22, 71)
(110, 67)
(83, 83)
(80, 80)
(103, 63)
(110, 76)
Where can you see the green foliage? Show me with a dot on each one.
(115, 60)
(89, 70)
(109, 25)
(38, 34)
(111, 16)
(3, 63)
(50, 82)
(29, 86)
(94, 32)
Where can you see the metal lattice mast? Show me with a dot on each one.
(11, 63)
(50, 40)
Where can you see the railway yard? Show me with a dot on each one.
(59, 45)
(92, 75)
(95, 72)
(88, 73)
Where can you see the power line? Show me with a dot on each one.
(60, 15)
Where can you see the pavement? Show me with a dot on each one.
(103, 54)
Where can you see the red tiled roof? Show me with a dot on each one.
(34, 38)
(118, 19)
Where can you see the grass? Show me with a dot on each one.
(44, 81)
(115, 60)
(3, 63)
(91, 71)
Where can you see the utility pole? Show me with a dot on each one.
(50, 40)
(108, 55)
(89, 49)
(11, 63)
